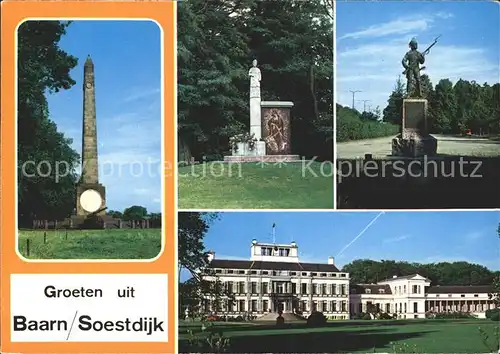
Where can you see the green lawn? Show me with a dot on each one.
(252, 186)
(410, 336)
(91, 244)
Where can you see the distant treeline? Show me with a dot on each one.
(365, 271)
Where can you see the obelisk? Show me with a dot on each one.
(90, 193)
(255, 109)
(90, 173)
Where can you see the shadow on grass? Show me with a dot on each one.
(439, 183)
(297, 340)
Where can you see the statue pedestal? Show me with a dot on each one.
(414, 139)
(244, 149)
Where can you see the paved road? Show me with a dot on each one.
(447, 145)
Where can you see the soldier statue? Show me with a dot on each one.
(411, 62)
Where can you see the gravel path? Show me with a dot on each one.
(447, 145)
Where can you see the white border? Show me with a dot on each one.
(176, 191)
(335, 106)
(162, 115)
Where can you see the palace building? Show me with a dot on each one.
(275, 280)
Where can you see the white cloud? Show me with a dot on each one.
(140, 94)
(372, 65)
(397, 238)
(403, 25)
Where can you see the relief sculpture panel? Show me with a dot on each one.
(276, 130)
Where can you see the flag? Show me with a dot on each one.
(274, 225)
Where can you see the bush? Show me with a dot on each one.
(493, 314)
(385, 316)
(453, 315)
(366, 316)
(350, 126)
(316, 319)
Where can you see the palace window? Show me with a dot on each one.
(343, 275)
(303, 287)
(344, 305)
(293, 273)
(476, 295)
(323, 274)
(241, 272)
(265, 305)
(324, 306)
(304, 274)
(254, 305)
(323, 289)
(315, 289)
(414, 289)
(344, 289)
(242, 306)
(333, 274)
(381, 291)
(368, 291)
(314, 274)
(265, 288)
(388, 308)
(230, 271)
(254, 272)
(241, 289)
(294, 288)
(333, 289)
(254, 287)
(405, 307)
(404, 289)
(419, 289)
(280, 288)
(265, 272)
(218, 271)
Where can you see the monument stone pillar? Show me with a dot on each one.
(90, 194)
(414, 139)
(255, 110)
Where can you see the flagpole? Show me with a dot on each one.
(274, 233)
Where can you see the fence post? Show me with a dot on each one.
(45, 237)
(27, 247)
(66, 236)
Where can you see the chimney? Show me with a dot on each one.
(331, 260)
(394, 276)
(210, 256)
(294, 244)
(254, 242)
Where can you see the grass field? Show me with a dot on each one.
(253, 186)
(411, 336)
(91, 244)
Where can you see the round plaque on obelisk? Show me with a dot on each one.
(90, 200)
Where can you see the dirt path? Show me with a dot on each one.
(447, 145)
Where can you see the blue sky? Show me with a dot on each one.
(423, 237)
(372, 38)
(127, 59)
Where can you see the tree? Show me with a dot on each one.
(192, 227)
(46, 162)
(116, 214)
(135, 212)
(394, 110)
